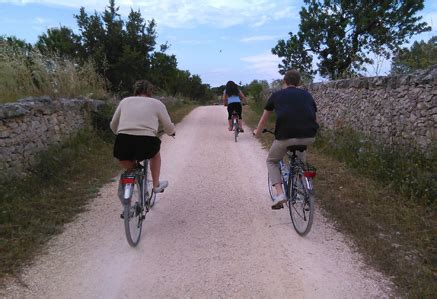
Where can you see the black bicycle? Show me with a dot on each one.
(137, 196)
(235, 124)
(297, 180)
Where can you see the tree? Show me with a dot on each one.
(122, 50)
(421, 55)
(163, 70)
(341, 34)
(258, 90)
(60, 40)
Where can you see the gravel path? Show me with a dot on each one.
(211, 234)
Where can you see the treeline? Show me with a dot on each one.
(122, 52)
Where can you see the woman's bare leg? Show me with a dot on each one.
(155, 168)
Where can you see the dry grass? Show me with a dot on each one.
(396, 234)
(24, 74)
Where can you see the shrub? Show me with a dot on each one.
(411, 172)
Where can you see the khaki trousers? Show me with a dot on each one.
(278, 151)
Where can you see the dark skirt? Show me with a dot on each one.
(133, 147)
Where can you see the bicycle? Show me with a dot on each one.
(235, 124)
(297, 180)
(137, 196)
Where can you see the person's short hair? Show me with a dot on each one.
(292, 77)
(143, 87)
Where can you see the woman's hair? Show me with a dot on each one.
(143, 87)
(232, 89)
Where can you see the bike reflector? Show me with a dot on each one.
(125, 181)
(309, 174)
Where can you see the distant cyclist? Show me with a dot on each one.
(233, 97)
(296, 124)
(136, 122)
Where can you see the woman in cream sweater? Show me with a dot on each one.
(135, 122)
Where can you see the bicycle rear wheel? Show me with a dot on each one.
(301, 206)
(133, 216)
(236, 130)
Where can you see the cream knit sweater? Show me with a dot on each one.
(141, 116)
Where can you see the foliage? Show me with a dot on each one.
(341, 34)
(60, 40)
(24, 71)
(124, 51)
(258, 90)
(121, 49)
(411, 173)
(421, 55)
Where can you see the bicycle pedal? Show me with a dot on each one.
(278, 207)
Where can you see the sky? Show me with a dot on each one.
(219, 40)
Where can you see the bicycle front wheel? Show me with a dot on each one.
(269, 182)
(301, 206)
(133, 217)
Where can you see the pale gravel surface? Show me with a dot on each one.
(211, 234)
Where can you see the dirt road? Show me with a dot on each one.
(211, 234)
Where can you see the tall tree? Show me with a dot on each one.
(341, 34)
(121, 49)
(421, 55)
(60, 40)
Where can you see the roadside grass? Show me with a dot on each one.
(395, 233)
(30, 73)
(35, 208)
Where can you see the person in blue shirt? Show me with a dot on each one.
(233, 97)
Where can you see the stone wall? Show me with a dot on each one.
(31, 125)
(396, 110)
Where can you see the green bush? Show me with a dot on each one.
(411, 172)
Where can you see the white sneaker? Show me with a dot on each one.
(161, 187)
(279, 200)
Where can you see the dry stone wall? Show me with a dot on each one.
(31, 125)
(396, 110)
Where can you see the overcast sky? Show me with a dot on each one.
(219, 40)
